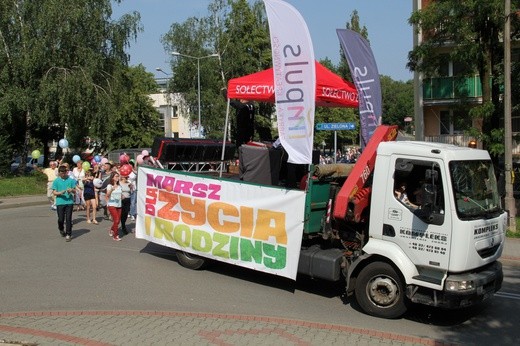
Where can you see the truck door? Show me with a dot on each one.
(416, 218)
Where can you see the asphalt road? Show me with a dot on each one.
(39, 271)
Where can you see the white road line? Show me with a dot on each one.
(508, 295)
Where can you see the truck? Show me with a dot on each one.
(437, 243)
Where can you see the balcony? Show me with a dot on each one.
(463, 141)
(457, 139)
(449, 89)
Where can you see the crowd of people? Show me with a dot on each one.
(103, 187)
(350, 156)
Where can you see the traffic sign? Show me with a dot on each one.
(335, 126)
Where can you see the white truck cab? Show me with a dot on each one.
(446, 241)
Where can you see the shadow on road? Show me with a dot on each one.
(303, 283)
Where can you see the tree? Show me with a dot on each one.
(57, 67)
(135, 122)
(354, 25)
(341, 115)
(236, 31)
(335, 115)
(469, 34)
(397, 101)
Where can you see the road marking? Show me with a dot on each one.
(508, 295)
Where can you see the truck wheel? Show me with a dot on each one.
(380, 291)
(190, 261)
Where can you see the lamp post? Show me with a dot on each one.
(167, 79)
(198, 58)
(161, 70)
(508, 160)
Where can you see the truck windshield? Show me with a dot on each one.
(475, 189)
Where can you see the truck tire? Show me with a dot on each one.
(380, 291)
(191, 261)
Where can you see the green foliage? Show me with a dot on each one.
(354, 24)
(5, 154)
(31, 184)
(238, 33)
(58, 66)
(135, 122)
(397, 101)
(516, 234)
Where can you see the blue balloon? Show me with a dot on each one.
(76, 158)
(97, 158)
(63, 143)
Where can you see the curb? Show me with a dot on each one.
(21, 204)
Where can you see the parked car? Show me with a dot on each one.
(29, 163)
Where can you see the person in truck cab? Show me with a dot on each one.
(402, 195)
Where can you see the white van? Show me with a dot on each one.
(29, 163)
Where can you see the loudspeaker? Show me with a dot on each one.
(167, 149)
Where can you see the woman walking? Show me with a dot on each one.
(78, 173)
(113, 198)
(126, 189)
(89, 194)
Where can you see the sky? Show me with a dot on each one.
(389, 33)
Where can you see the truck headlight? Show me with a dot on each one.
(463, 285)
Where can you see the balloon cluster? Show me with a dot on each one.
(125, 162)
(141, 158)
(125, 170)
(124, 158)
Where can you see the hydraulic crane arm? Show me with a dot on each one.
(355, 190)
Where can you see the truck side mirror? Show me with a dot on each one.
(404, 166)
(431, 175)
(429, 212)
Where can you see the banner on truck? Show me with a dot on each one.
(294, 79)
(252, 226)
(364, 71)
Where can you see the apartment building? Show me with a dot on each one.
(442, 100)
(174, 111)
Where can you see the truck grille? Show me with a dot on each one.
(488, 252)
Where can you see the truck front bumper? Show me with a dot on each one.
(462, 290)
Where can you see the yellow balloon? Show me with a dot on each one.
(85, 165)
(35, 154)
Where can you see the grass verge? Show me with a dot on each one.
(516, 234)
(31, 184)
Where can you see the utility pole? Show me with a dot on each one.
(508, 159)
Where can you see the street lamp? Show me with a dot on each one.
(198, 58)
(159, 80)
(161, 70)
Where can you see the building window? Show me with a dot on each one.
(175, 112)
(163, 111)
(454, 122)
(445, 120)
